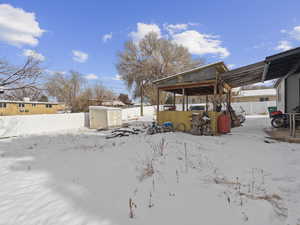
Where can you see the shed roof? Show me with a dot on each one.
(275, 66)
(282, 64)
(197, 81)
(245, 75)
(220, 66)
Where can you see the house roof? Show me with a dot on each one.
(258, 92)
(113, 103)
(30, 102)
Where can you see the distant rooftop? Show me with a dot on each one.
(30, 102)
(258, 92)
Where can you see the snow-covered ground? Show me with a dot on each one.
(80, 178)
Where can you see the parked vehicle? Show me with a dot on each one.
(169, 108)
(280, 120)
(197, 108)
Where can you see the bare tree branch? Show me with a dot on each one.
(13, 78)
(152, 58)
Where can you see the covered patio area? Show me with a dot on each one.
(214, 81)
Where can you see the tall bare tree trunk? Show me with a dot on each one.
(142, 100)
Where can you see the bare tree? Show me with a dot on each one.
(19, 94)
(152, 58)
(65, 88)
(19, 77)
(82, 102)
(102, 93)
(73, 90)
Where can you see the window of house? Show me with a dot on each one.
(21, 105)
(33, 104)
(48, 106)
(3, 105)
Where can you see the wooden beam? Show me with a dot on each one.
(187, 102)
(215, 97)
(187, 85)
(174, 99)
(226, 85)
(183, 98)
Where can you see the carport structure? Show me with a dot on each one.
(214, 80)
(217, 80)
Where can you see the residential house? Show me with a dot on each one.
(10, 108)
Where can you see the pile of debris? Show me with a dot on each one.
(124, 132)
(128, 130)
(201, 124)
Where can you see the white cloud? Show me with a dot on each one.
(106, 37)
(18, 27)
(33, 54)
(197, 43)
(52, 72)
(144, 29)
(200, 44)
(295, 33)
(283, 31)
(173, 28)
(79, 56)
(283, 46)
(117, 77)
(91, 76)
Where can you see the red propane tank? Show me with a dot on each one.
(224, 124)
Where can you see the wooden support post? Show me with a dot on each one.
(187, 103)
(215, 97)
(206, 103)
(183, 99)
(174, 100)
(157, 106)
(216, 91)
(228, 100)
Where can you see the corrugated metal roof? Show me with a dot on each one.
(194, 70)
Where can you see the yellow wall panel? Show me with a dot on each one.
(184, 117)
(29, 109)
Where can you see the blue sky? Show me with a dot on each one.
(234, 31)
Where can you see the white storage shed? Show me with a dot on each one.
(102, 117)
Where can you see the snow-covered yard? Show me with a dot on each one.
(80, 178)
